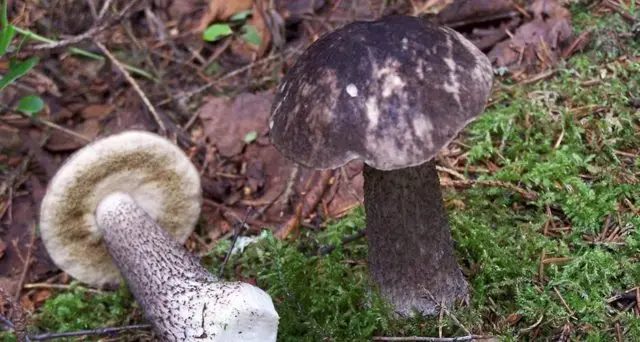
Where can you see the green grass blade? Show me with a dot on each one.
(5, 38)
(18, 70)
(4, 19)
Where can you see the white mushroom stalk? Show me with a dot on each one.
(122, 207)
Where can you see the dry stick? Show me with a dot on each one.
(99, 331)
(285, 197)
(89, 33)
(451, 172)
(59, 287)
(431, 339)
(56, 127)
(352, 191)
(135, 86)
(446, 311)
(345, 240)
(226, 76)
(563, 301)
(528, 194)
(27, 262)
(105, 7)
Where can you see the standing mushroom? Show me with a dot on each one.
(392, 93)
(124, 205)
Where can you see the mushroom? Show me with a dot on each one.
(122, 207)
(390, 93)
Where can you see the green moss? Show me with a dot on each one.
(81, 310)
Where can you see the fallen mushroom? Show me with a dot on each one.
(392, 93)
(124, 205)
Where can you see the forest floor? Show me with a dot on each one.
(542, 191)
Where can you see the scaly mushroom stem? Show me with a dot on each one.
(410, 245)
(182, 300)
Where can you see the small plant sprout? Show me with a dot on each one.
(123, 206)
(392, 93)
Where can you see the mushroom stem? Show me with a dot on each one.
(410, 244)
(181, 299)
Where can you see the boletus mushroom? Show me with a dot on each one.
(122, 207)
(390, 93)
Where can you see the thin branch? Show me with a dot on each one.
(345, 240)
(27, 262)
(105, 7)
(52, 126)
(528, 194)
(99, 331)
(89, 33)
(432, 339)
(134, 84)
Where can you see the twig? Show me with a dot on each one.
(345, 240)
(533, 326)
(352, 191)
(302, 211)
(27, 262)
(237, 230)
(100, 331)
(454, 173)
(285, 197)
(528, 194)
(134, 84)
(625, 15)
(105, 7)
(59, 287)
(431, 339)
(446, 311)
(224, 77)
(52, 125)
(563, 301)
(89, 33)
(81, 52)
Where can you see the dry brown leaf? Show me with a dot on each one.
(3, 248)
(220, 10)
(539, 41)
(96, 111)
(62, 142)
(249, 51)
(227, 121)
(469, 10)
(293, 10)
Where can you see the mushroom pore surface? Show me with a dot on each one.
(151, 169)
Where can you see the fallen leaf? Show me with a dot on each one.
(294, 10)
(255, 38)
(60, 141)
(3, 248)
(40, 296)
(227, 121)
(220, 10)
(538, 42)
(96, 111)
(473, 10)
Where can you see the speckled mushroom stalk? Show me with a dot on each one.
(122, 207)
(182, 300)
(391, 93)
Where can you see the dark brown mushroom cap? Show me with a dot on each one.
(390, 92)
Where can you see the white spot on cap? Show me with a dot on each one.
(405, 43)
(352, 90)
(373, 112)
(270, 124)
(452, 86)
